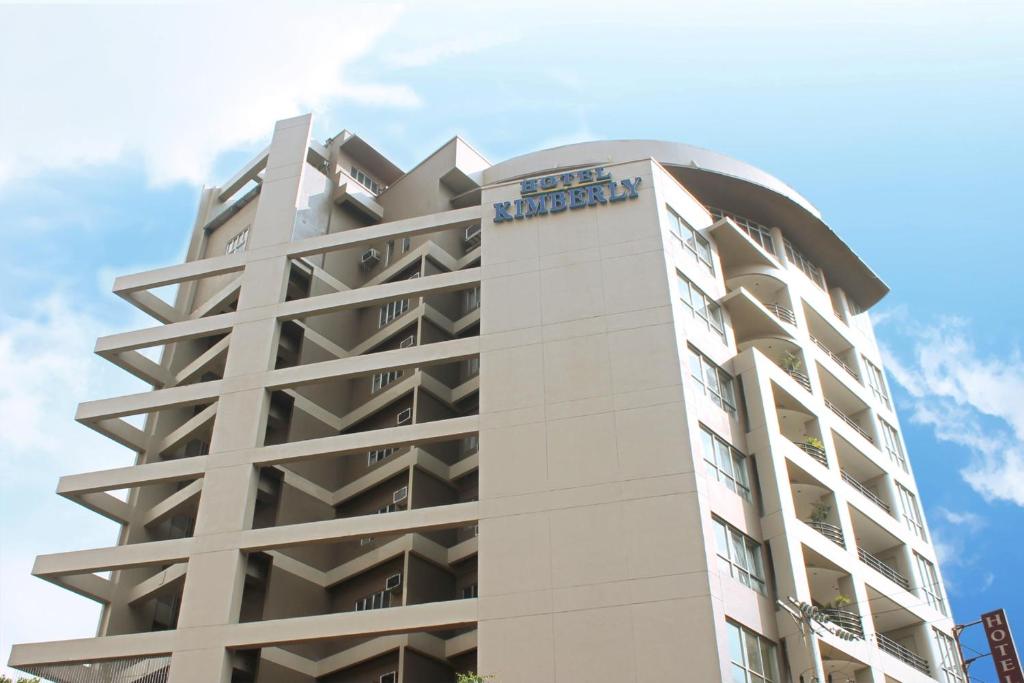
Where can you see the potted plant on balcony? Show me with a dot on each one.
(815, 443)
(470, 677)
(791, 362)
(820, 513)
(839, 602)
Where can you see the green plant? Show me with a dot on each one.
(468, 677)
(814, 442)
(21, 679)
(840, 601)
(820, 512)
(791, 362)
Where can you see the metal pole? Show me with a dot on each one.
(964, 662)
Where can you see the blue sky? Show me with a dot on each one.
(900, 121)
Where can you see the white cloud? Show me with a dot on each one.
(969, 399)
(966, 519)
(456, 45)
(175, 85)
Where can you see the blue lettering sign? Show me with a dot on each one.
(570, 190)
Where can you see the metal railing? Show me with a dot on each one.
(883, 568)
(868, 493)
(801, 379)
(829, 531)
(887, 644)
(782, 313)
(845, 619)
(813, 451)
(835, 357)
(848, 420)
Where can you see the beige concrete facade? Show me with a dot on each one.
(401, 430)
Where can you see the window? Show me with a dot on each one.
(694, 242)
(812, 271)
(379, 455)
(365, 540)
(757, 232)
(471, 367)
(391, 310)
(471, 444)
(930, 588)
(378, 600)
(953, 671)
(238, 242)
(469, 591)
(366, 181)
(725, 463)
(406, 244)
(891, 439)
(701, 306)
(382, 379)
(470, 300)
(877, 382)
(389, 251)
(753, 657)
(716, 382)
(739, 555)
(911, 511)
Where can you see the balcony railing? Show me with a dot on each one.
(801, 379)
(887, 644)
(782, 313)
(868, 493)
(813, 451)
(829, 531)
(839, 361)
(848, 420)
(845, 619)
(883, 568)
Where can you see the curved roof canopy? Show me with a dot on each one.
(732, 185)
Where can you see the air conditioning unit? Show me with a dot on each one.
(472, 236)
(391, 677)
(405, 416)
(400, 495)
(393, 582)
(408, 341)
(369, 259)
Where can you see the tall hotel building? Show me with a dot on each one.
(605, 413)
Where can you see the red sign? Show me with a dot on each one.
(1000, 641)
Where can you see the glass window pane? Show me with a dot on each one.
(696, 370)
(727, 392)
(735, 643)
(771, 664)
(740, 470)
(715, 316)
(724, 457)
(739, 675)
(753, 652)
(720, 538)
(711, 378)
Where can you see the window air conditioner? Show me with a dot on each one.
(405, 416)
(408, 341)
(472, 236)
(369, 259)
(393, 582)
(400, 495)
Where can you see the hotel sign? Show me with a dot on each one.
(1004, 654)
(570, 190)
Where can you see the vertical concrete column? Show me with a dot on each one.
(215, 580)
